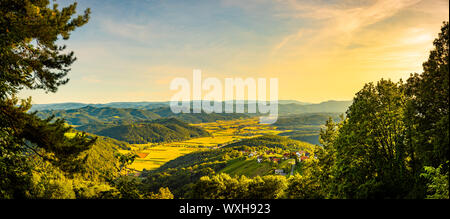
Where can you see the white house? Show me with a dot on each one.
(279, 171)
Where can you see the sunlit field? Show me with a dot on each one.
(153, 155)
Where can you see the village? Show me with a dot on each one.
(282, 161)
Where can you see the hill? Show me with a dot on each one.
(160, 130)
(304, 127)
(67, 106)
(89, 115)
(92, 115)
(285, 107)
(324, 107)
(271, 141)
(307, 119)
(198, 117)
(180, 173)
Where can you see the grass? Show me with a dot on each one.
(223, 132)
(248, 167)
(157, 156)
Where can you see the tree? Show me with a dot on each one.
(125, 160)
(30, 58)
(164, 193)
(371, 160)
(437, 186)
(428, 106)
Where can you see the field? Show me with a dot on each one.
(251, 168)
(152, 155)
(248, 167)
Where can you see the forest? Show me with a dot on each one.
(392, 142)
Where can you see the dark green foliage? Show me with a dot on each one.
(179, 174)
(30, 58)
(437, 185)
(272, 141)
(198, 117)
(428, 107)
(161, 130)
(101, 164)
(371, 158)
(92, 116)
(394, 142)
(223, 186)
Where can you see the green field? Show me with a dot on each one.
(222, 133)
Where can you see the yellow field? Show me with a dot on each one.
(158, 155)
(223, 132)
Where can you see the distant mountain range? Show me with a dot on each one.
(286, 107)
(67, 106)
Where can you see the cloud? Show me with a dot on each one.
(130, 31)
(340, 22)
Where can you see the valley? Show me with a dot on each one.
(222, 133)
(160, 149)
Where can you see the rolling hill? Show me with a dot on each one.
(271, 141)
(92, 115)
(160, 130)
(304, 127)
(89, 115)
(285, 107)
(180, 173)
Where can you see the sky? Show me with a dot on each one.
(318, 49)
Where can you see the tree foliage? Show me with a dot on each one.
(31, 58)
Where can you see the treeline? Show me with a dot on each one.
(272, 141)
(90, 115)
(223, 186)
(160, 130)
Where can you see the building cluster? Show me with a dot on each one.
(300, 156)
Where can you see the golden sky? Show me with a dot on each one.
(319, 50)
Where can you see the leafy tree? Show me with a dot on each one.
(370, 154)
(428, 106)
(125, 160)
(164, 193)
(30, 58)
(392, 133)
(223, 186)
(304, 187)
(437, 186)
(129, 187)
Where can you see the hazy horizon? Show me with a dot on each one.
(163, 101)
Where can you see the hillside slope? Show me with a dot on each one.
(180, 173)
(160, 130)
(92, 115)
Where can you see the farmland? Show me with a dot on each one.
(222, 133)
